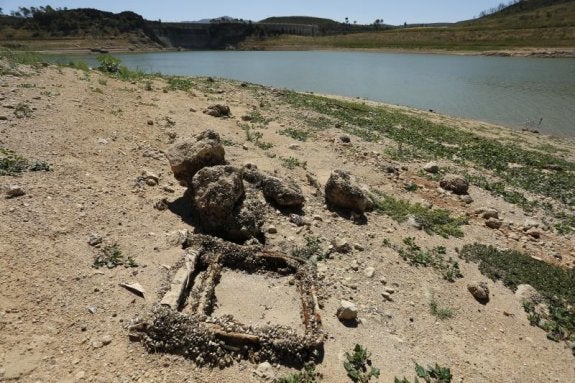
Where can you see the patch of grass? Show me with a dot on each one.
(111, 256)
(256, 137)
(102, 81)
(440, 312)
(554, 283)
(79, 64)
(436, 374)
(292, 162)
(13, 164)
(15, 58)
(500, 189)
(307, 375)
(255, 117)
(358, 365)
(433, 221)
(434, 257)
(296, 134)
(180, 83)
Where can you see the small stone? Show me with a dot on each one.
(466, 198)
(92, 309)
(490, 213)
(387, 296)
(151, 182)
(347, 311)
(80, 375)
(455, 184)
(14, 191)
(294, 147)
(493, 223)
(344, 138)
(341, 245)
(264, 370)
(369, 272)
(354, 265)
(97, 344)
(107, 339)
(534, 233)
(3, 118)
(480, 291)
(431, 167)
(150, 122)
(169, 189)
(102, 141)
(358, 247)
(413, 222)
(272, 229)
(94, 239)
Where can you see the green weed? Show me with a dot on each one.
(296, 134)
(436, 374)
(434, 257)
(433, 221)
(358, 365)
(292, 162)
(180, 83)
(311, 249)
(23, 110)
(307, 375)
(111, 256)
(440, 312)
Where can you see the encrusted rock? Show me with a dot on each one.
(493, 223)
(346, 139)
(454, 183)
(13, 191)
(431, 167)
(480, 291)
(490, 213)
(284, 193)
(347, 311)
(252, 174)
(218, 110)
(188, 157)
(343, 191)
(217, 191)
(341, 245)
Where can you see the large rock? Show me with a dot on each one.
(480, 291)
(218, 110)
(343, 191)
(188, 157)
(247, 218)
(454, 183)
(284, 193)
(347, 311)
(217, 190)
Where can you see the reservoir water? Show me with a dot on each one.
(517, 92)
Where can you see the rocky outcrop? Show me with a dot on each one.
(218, 110)
(455, 184)
(188, 157)
(343, 191)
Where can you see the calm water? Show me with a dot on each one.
(509, 91)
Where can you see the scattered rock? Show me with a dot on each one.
(344, 138)
(493, 223)
(107, 339)
(343, 191)
(341, 245)
(80, 375)
(431, 167)
(298, 220)
(188, 157)
(218, 110)
(151, 122)
(534, 233)
(413, 222)
(528, 293)
(265, 371)
(13, 191)
(454, 183)
(251, 173)
(369, 272)
(3, 118)
(135, 288)
(272, 229)
(162, 204)
(466, 198)
(490, 213)
(95, 239)
(347, 311)
(102, 141)
(480, 291)
(387, 296)
(284, 193)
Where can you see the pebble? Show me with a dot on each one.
(102, 141)
(3, 118)
(493, 223)
(80, 375)
(479, 290)
(413, 222)
(107, 339)
(358, 247)
(387, 296)
(431, 167)
(94, 239)
(369, 272)
(341, 245)
(466, 198)
(264, 370)
(272, 229)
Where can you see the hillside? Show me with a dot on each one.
(96, 230)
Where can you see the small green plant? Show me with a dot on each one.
(436, 374)
(433, 221)
(82, 65)
(109, 64)
(255, 137)
(255, 117)
(13, 164)
(180, 83)
(102, 81)
(311, 249)
(358, 365)
(292, 162)
(296, 134)
(111, 256)
(148, 86)
(434, 257)
(307, 375)
(438, 311)
(117, 112)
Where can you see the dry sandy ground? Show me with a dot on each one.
(56, 310)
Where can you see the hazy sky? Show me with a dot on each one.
(363, 11)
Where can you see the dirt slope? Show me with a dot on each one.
(62, 320)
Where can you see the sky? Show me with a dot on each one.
(393, 12)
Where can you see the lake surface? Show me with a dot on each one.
(516, 92)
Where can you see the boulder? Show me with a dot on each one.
(343, 191)
(283, 193)
(252, 174)
(247, 218)
(480, 291)
(217, 190)
(347, 311)
(494, 223)
(454, 183)
(188, 157)
(218, 110)
(431, 167)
